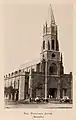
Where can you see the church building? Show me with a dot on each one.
(45, 77)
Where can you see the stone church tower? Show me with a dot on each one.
(50, 51)
(57, 83)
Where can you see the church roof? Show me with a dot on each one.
(29, 63)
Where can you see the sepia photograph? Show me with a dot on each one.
(38, 56)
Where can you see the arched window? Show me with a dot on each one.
(43, 44)
(53, 69)
(57, 45)
(52, 45)
(48, 45)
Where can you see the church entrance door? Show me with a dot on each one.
(53, 92)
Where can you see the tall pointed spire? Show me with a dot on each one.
(52, 15)
(51, 19)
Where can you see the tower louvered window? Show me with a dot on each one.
(43, 44)
(52, 45)
(48, 45)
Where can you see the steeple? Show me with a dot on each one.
(50, 46)
(51, 19)
(50, 25)
(50, 39)
(52, 15)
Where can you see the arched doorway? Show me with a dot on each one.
(53, 92)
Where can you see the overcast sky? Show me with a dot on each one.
(23, 33)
